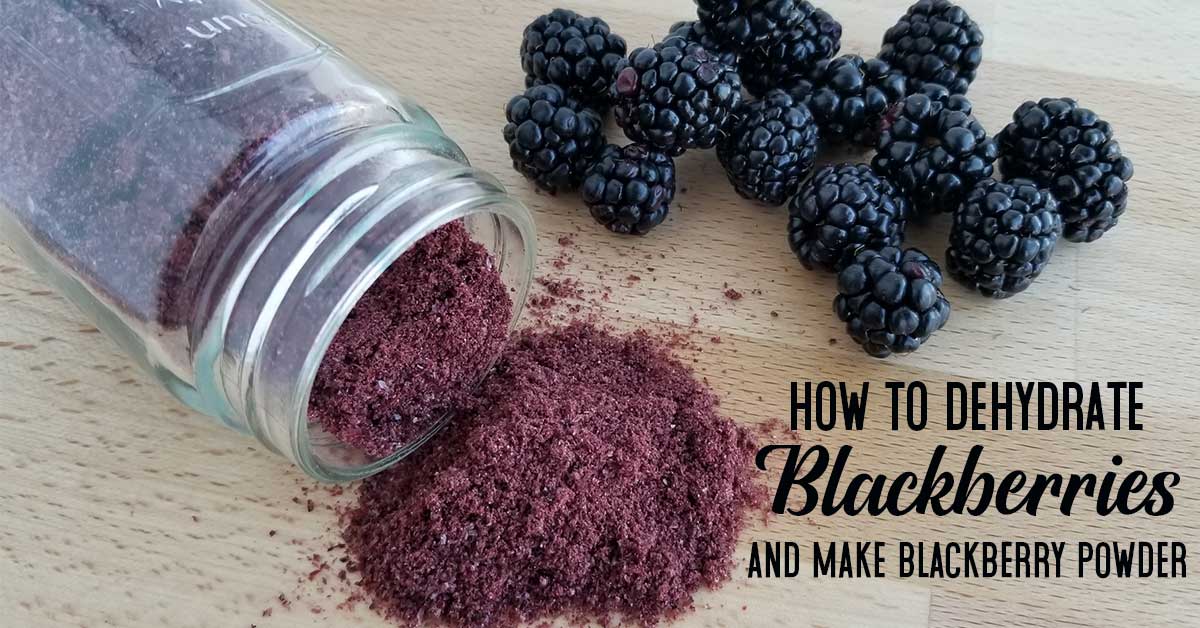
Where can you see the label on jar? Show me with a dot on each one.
(184, 48)
(134, 120)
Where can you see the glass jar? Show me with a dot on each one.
(216, 187)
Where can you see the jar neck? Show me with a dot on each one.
(269, 310)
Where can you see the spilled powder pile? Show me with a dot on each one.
(415, 346)
(592, 477)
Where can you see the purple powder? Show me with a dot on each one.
(188, 130)
(416, 344)
(592, 477)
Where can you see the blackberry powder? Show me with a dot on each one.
(591, 477)
(415, 346)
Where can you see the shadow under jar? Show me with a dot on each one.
(217, 188)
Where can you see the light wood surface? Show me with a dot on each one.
(120, 508)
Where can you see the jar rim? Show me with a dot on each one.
(496, 204)
(285, 293)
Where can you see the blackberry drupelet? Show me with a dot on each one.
(842, 209)
(891, 301)
(629, 190)
(1003, 236)
(713, 12)
(848, 96)
(784, 61)
(696, 32)
(746, 23)
(574, 52)
(769, 148)
(935, 42)
(675, 96)
(934, 150)
(1072, 151)
(551, 137)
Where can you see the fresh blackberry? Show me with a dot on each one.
(629, 190)
(551, 137)
(769, 148)
(1003, 236)
(574, 52)
(848, 96)
(696, 32)
(675, 96)
(1072, 151)
(934, 150)
(745, 23)
(842, 209)
(784, 61)
(717, 12)
(891, 301)
(935, 42)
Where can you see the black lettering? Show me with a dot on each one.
(1010, 485)
(854, 407)
(956, 390)
(1134, 406)
(1072, 405)
(1163, 483)
(754, 570)
(1044, 422)
(895, 388)
(791, 476)
(823, 564)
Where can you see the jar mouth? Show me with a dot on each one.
(494, 220)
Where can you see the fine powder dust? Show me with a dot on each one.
(415, 346)
(591, 477)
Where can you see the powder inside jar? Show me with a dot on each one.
(591, 477)
(415, 346)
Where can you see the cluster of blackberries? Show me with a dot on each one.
(758, 80)
(575, 67)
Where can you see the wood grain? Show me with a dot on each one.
(119, 508)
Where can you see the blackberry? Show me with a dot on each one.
(891, 301)
(935, 42)
(848, 96)
(675, 96)
(551, 137)
(842, 209)
(696, 32)
(769, 148)
(745, 23)
(574, 52)
(629, 190)
(1072, 151)
(1003, 236)
(934, 150)
(785, 61)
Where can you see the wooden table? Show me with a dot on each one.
(120, 508)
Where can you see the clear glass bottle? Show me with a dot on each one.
(216, 187)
